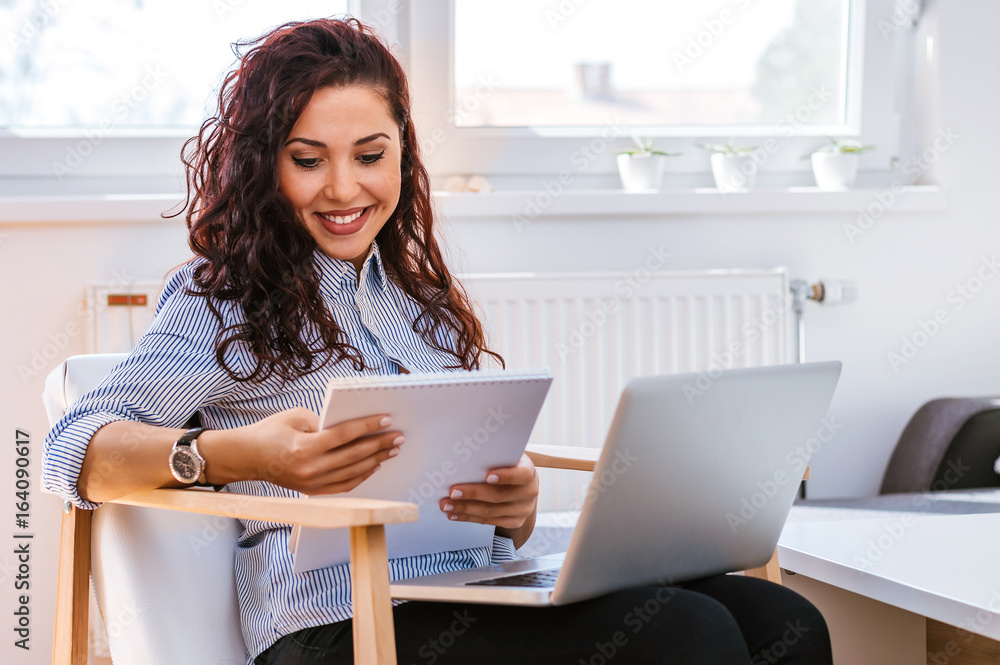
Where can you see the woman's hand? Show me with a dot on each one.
(507, 500)
(288, 449)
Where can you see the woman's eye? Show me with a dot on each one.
(372, 158)
(306, 163)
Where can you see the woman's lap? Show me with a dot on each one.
(718, 620)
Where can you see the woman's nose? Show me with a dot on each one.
(340, 185)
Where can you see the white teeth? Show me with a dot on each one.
(344, 220)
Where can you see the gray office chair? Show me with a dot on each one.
(949, 444)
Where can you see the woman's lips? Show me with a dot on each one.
(336, 221)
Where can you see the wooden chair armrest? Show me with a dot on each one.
(323, 512)
(564, 457)
(373, 628)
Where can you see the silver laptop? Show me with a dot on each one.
(696, 478)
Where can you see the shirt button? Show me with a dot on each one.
(357, 307)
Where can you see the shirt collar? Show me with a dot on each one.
(335, 274)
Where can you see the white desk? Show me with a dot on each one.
(934, 555)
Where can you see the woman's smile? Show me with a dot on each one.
(340, 169)
(344, 222)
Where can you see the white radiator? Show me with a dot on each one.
(595, 331)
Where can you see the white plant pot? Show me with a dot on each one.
(733, 172)
(835, 170)
(641, 172)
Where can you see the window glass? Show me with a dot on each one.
(127, 63)
(649, 63)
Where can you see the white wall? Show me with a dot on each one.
(905, 266)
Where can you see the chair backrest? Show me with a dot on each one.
(164, 580)
(949, 443)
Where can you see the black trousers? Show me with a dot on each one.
(714, 621)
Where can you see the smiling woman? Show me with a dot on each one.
(343, 189)
(309, 216)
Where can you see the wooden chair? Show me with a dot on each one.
(373, 625)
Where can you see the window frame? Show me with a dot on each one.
(144, 160)
(516, 156)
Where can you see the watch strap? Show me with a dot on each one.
(188, 437)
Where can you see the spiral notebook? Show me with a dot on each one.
(458, 425)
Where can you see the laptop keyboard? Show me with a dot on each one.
(540, 578)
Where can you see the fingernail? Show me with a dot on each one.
(399, 440)
(456, 494)
(453, 517)
(493, 478)
(385, 422)
(448, 507)
(393, 452)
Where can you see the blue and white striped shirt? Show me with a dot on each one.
(172, 373)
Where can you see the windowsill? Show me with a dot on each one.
(138, 208)
(673, 202)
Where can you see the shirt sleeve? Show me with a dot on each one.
(503, 550)
(163, 381)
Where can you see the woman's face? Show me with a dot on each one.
(340, 168)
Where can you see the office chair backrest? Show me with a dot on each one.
(164, 580)
(949, 444)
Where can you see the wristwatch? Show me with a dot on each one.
(186, 464)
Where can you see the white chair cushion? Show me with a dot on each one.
(165, 584)
(164, 580)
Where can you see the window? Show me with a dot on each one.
(97, 97)
(516, 90)
(651, 64)
(542, 87)
(111, 64)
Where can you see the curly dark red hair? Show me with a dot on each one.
(259, 254)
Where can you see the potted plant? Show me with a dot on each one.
(641, 168)
(836, 165)
(734, 168)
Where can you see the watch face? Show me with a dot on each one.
(184, 465)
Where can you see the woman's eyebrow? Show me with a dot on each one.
(369, 139)
(315, 144)
(320, 144)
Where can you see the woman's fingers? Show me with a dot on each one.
(506, 499)
(297, 456)
(351, 430)
(509, 514)
(365, 460)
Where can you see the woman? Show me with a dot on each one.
(309, 215)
